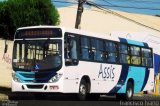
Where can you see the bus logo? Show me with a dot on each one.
(106, 72)
(37, 67)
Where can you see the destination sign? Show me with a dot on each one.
(39, 33)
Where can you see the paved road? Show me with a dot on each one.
(67, 100)
(25, 99)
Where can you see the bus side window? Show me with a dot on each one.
(70, 46)
(110, 48)
(135, 55)
(146, 57)
(124, 58)
(84, 48)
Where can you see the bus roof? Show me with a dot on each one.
(72, 30)
(40, 26)
(90, 34)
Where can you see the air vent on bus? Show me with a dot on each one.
(35, 86)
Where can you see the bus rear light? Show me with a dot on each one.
(54, 87)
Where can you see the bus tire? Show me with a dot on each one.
(129, 91)
(119, 96)
(83, 88)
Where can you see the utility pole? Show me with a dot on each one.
(79, 13)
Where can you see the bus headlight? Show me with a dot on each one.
(55, 78)
(15, 78)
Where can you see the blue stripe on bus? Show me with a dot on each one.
(156, 63)
(128, 41)
(123, 40)
(145, 45)
(135, 42)
(30, 76)
(147, 72)
(138, 75)
(22, 78)
(122, 79)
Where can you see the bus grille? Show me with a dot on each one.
(35, 86)
(38, 77)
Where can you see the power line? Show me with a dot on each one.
(76, 8)
(144, 1)
(119, 15)
(64, 2)
(110, 11)
(130, 7)
(108, 2)
(133, 7)
(135, 1)
(113, 5)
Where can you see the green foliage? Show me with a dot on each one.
(20, 13)
(157, 15)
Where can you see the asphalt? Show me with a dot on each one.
(28, 99)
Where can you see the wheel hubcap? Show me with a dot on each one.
(83, 89)
(129, 92)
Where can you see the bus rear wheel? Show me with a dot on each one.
(83, 90)
(129, 91)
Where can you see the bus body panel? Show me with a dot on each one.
(140, 76)
(101, 75)
(150, 82)
(45, 87)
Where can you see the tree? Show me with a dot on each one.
(20, 13)
(157, 15)
(5, 20)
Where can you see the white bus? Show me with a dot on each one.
(60, 60)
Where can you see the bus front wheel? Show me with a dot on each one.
(83, 88)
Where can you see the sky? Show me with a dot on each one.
(149, 7)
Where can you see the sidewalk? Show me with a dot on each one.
(5, 63)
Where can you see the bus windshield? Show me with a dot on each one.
(37, 55)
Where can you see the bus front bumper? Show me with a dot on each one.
(36, 87)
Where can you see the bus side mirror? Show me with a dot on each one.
(6, 47)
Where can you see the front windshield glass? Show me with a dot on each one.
(37, 55)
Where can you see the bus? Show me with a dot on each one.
(53, 59)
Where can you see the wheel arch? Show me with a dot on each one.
(131, 80)
(88, 81)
